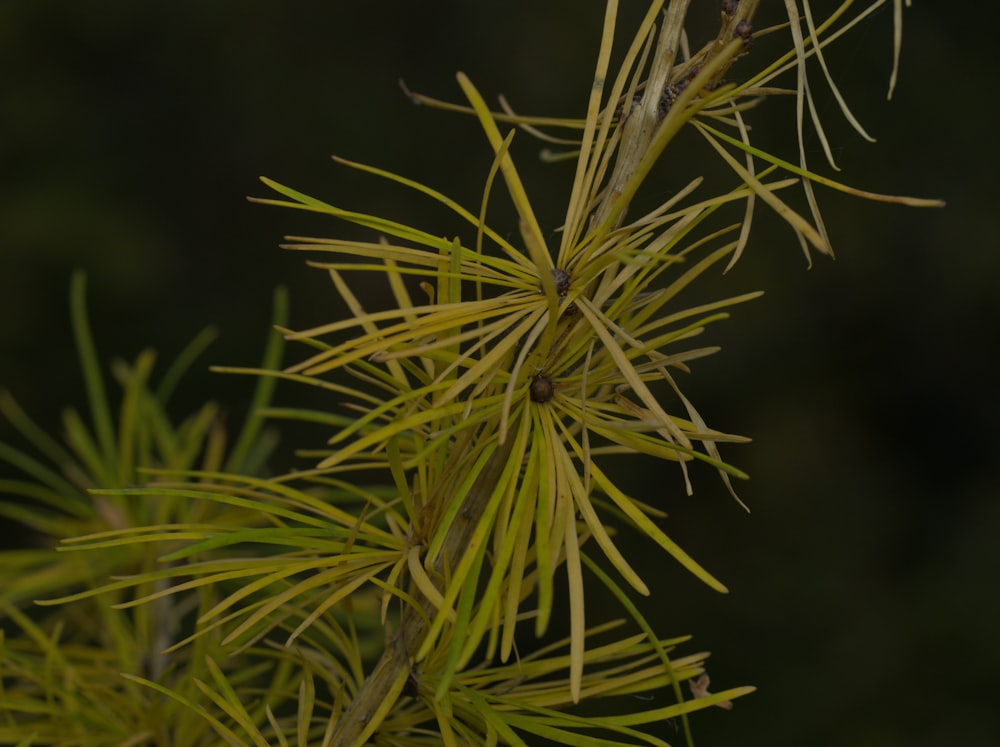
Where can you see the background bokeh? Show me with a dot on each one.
(864, 582)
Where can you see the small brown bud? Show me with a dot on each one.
(541, 389)
(562, 280)
(744, 31)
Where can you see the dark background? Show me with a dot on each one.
(864, 583)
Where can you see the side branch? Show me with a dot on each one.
(381, 689)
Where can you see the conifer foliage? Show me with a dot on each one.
(396, 590)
